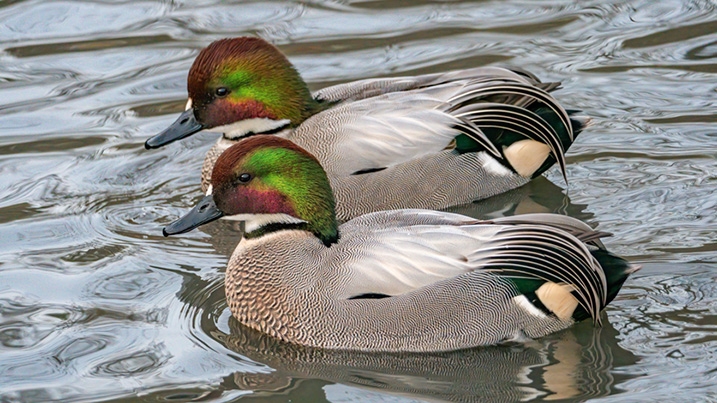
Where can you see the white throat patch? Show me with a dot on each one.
(253, 222)
(237, 130)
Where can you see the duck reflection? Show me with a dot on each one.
(538, 196)
(574, 364)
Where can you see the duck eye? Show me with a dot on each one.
(244, 178)
(221, 92)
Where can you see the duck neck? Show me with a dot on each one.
(256, 226)
(320, 215)
(259, 225)
(250, 127)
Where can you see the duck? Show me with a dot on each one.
(408, 280)
(429, 141)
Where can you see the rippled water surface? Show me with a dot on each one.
(95, 305)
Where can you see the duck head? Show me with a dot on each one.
(271, 184)
(240, 86)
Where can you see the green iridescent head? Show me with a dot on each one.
(270, 175)
(245, 78)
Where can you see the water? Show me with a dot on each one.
(95, 305)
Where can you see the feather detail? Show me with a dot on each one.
(523, 302)
(551, 255)
(526, 156)
(534, 246)
(517, 120)
(410, 117)
(246, 127)
(558, 298)
(568, 224)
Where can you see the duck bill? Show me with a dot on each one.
(185, 125)
(204, 212)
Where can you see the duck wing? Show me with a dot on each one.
(376, 133)
(398, 259)
(371, 87)
(509, 115)
(408, 254)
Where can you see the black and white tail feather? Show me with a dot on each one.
(557, 249)
(506, 105)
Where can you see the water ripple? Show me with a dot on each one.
(46, 20)
(97, 305)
